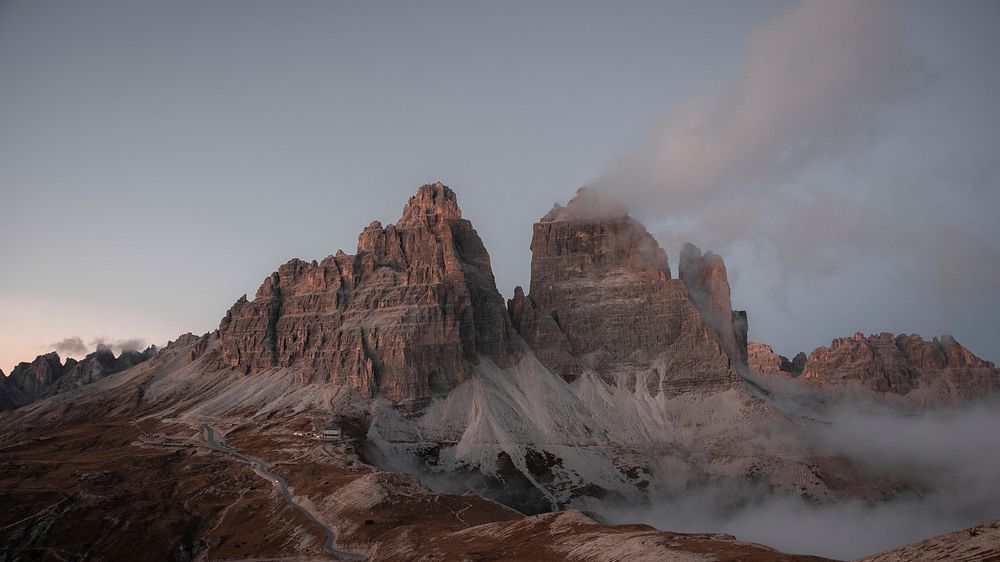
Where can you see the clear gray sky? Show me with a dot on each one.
(159, 159)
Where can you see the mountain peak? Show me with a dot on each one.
(602, 299)
(433, 203)
(588, 205)
(406, 318)
(592, 236)
(940, 371)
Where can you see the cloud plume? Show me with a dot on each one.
(118, 346)
(72, 346)
(791, 169)
(811, 79)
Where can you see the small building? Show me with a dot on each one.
(331, 433)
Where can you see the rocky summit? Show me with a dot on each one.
(902, 367)
(406, 317)
(48, 375)
(940, 370)
(602, 298)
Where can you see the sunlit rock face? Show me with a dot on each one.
(410, 314)
(602, 298)
(935, 371)
(407, 317)
(763, 360)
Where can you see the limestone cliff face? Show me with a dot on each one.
(407, 317)
(544, 335)
(705, 277)
(602, 298)
(940, 370)
(763, 360)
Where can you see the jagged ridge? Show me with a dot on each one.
(48, 375)
(407, 317)
(906, 366)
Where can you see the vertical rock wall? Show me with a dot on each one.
(407, 317)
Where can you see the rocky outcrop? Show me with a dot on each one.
(764, 361)
(741, 330)
(705, 277)
(36, 378)
(48, 375)
(546, 337)
(407, 317)
(602, 298)
(10, 395)
(100, 364)
(935, 371)
(796, 365)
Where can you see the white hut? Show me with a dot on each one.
(331, 433)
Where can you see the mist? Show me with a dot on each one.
(71, 346)
(811, 79)
(118, 346)
(952, 456)
(790, 168)
(74, 346)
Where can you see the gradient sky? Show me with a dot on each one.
(159, 159)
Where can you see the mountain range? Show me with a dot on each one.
(466, 426)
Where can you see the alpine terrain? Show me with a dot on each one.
(390, 404)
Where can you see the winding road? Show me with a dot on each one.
(260, 467)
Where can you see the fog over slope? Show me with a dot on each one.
(952, 456)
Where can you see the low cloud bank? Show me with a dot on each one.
(952, 456)
(896, 475)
